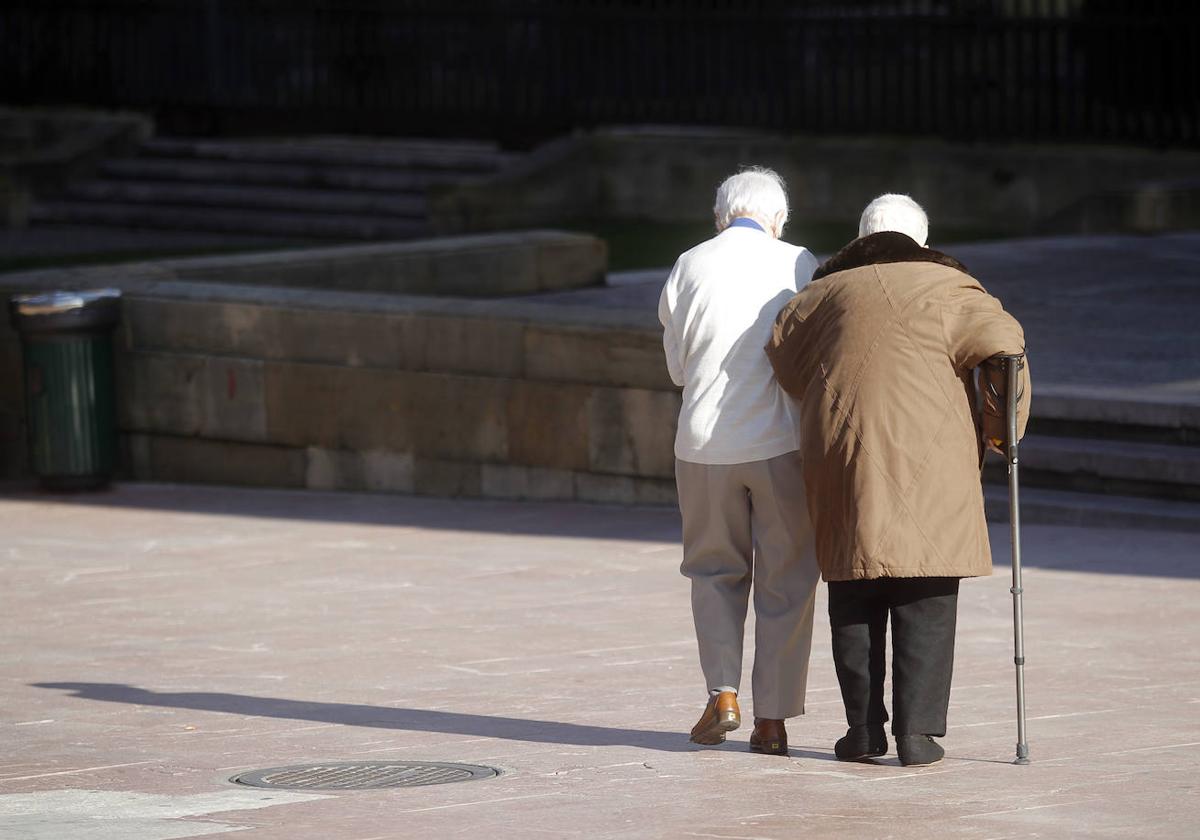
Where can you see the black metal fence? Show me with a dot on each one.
(524, 70)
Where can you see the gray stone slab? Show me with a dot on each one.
(158, 639)
(632, 432)
(1116, 459)
(1065, 507)
(187, 394)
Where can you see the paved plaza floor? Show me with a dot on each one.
(155, 640)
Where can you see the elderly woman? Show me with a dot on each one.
(737, 468)
(881, 349)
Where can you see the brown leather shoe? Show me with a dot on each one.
(769, 737)
(721, 715)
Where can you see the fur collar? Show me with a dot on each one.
(885, 247)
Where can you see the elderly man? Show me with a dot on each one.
(881, 349)
(737, 467)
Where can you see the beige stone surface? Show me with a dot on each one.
(633, 432)
(170, 458)
(157, 639)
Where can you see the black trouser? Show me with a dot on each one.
(923, 612)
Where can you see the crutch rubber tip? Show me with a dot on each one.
(1021, 761)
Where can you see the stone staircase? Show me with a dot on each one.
(326, 188)
(1107, 457)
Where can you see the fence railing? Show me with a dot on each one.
(524, 70)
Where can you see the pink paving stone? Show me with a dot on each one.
(156, 639)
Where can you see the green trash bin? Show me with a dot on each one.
(70, 399)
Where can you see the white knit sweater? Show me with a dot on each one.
(717, 309)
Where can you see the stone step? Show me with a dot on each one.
(458, 156)
(1149, 414)
(272, 174)
(253, 197)
(1040, 506)
(272, 223)
(1100, 465)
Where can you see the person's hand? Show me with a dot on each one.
(993, 444)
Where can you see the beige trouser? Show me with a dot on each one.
(744, 521)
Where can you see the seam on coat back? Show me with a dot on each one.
(900, 319)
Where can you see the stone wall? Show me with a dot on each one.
(290, 387)
(671, 174)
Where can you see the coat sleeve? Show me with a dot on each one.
(976, 329)
(671, 347)
(786, 350)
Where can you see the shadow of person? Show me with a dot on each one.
(383, 717)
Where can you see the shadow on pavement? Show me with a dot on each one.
(383, 717)
(1144, 553)
(524, 518)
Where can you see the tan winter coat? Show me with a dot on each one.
(880, 349)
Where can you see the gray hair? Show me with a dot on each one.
(900, 213)
(756, 192)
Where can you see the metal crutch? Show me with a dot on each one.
(1013, 365)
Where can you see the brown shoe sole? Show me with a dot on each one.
(714, 733)
(770, 748)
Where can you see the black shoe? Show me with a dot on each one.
(918, 750)
(866, 741)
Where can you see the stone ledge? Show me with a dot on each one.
(1148, 407)
(484, 265)
(1088, 510)
(173, 458)
(484, 419)
(517, 341)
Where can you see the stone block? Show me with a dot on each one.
(621, 358)
(374, 470)
(135, 455)
(655, 491)
(184, 459)
(457, 417)
(548, 425)
(435, 415)
(185, 326)
(506, 481)
(325, 406)
(187, 394)
(161, 392)
(515, 262)
(488, 346)
(326, 335)
(432, 477)
(387, 472)
(580, 263)
(607, 489)
(632, 432)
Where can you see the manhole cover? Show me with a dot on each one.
(364, 775)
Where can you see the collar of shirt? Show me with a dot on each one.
(742, 221)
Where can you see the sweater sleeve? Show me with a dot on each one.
(671, 348)
(806, 266)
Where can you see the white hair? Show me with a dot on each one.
(900, 213)
(756, 192)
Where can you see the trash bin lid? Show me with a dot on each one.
(52, 303)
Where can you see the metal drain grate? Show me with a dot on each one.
(364, 775)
